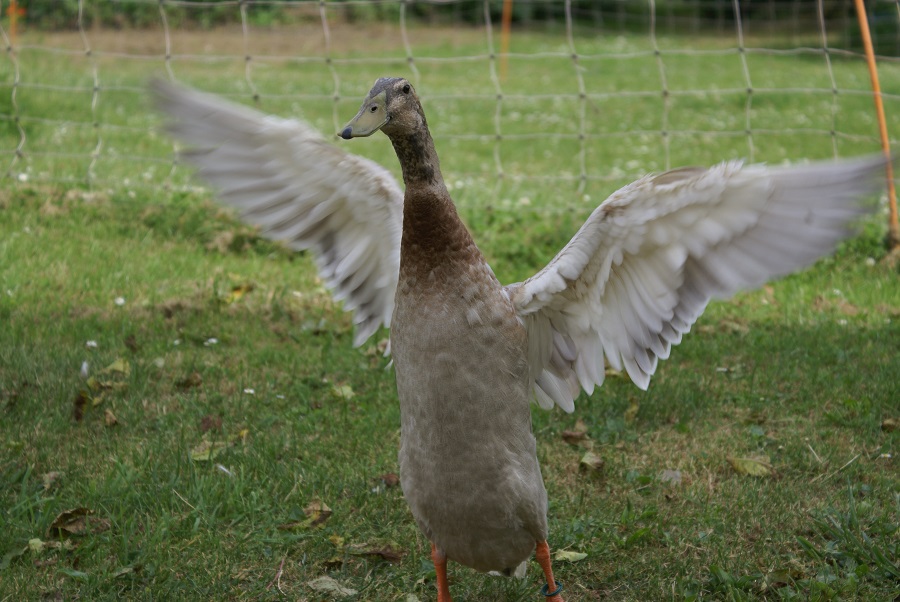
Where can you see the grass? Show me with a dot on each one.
(226, 400)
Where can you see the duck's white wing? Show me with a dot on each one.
(643, 267)
(282, 176)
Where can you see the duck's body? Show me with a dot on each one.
(449, 401)
(461, 430)
(469, 353)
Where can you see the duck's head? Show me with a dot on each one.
(391, 105)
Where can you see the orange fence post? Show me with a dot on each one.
(14, 13)
(893, 240)
(504, 38)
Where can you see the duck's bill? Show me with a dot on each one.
(371, 117)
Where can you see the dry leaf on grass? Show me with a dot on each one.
(889, 425)
(119, 366)
(210, 423)
(342, 391)
(109, 418)
(385, 552)
(131, 343)
(577, 435)
(98, 386)
(237, 292)
(333, 563)
(207, 450)
(574, 437)
(327, 584)
(754, 467)
(194, 379)
(569, 556)
(591, 463)
(317, 512)
(389, 479)
(82, 401)
(77, 521)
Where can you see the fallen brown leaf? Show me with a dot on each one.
(237, 292)
(131, 343)
(109, 418)
(82, 400)
(573, 437)
(293, 525)
(577, 434)
(77, 521)
(207, 450)
(317, 512)
(327, 584)
(889, 425)
(210, 422)
(591, 462)
(335, 562)
(119, 366)
(194, 379)
(385, 552)
(389, 479)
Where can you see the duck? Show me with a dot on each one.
(471, 355)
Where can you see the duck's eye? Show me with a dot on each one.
(406, 89)
(373, 108)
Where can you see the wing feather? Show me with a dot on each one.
(283, 177)
(645, 264)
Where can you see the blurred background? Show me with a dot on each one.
(574, 99)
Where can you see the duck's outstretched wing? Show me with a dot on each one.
(643, 267)
(282, 176)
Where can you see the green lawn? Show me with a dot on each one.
(225, 402)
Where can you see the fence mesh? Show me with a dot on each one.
(588, 96)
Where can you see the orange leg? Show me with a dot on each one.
(440, 569)
(542, 555)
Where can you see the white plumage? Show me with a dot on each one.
(627, 287)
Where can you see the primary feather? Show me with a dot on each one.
(281, 175)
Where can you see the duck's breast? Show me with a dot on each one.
(467, 461)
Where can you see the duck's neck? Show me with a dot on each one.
(434, 237)
(418, 158)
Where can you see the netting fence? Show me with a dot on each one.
(581, 98)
